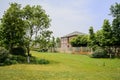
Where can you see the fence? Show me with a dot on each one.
(75, 50)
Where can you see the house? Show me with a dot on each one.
(67, 48)
(65, 40)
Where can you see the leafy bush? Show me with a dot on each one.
(100, 53)
(43, 61)
(19, 51)
(3, 54)
(9, 62)
(80, 40)
(33, 60)
(8, 59)
(19, 58)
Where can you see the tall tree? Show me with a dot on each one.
(92, 39)
(13, 27)
(37, 20)
(106, 33)
(107, 39)
(115, 12)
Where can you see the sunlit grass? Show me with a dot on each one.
(64, 67)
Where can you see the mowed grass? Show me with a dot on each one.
(64, 67)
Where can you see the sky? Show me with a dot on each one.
(70, 15)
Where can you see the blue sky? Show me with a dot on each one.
(70, 15)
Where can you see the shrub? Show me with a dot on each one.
(3, 54)
(19, 51)
(19, 58)
(43, 61)
(33, 60)
(9, 62)
(100, 53)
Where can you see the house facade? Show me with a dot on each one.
(67, 48)
(65, 40)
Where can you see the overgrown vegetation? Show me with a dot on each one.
(3, 55)
(108, 37)
(81, 40)
(100, 53)
(18, 25)
(15, 59)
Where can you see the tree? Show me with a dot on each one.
(106, 33)
(37, 22)
(52, 44)
(107, 39)
(58, 42)
(42, 41)
(21, 25)
(115, 12)
(13, 27)
(99, 36)
(92, 39)
(81, 40)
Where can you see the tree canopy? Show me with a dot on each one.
(13, 26)
(81, 40)
(20, 26)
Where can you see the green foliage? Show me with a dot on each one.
(109, 36)
(19, 51)
(103, 36)
(10, 62)
(13, 26)
(43, 61)
(81, 40)
(116, 31)
(35, 60)
(41, 42)
(3, 54)
(58, 42)
(115, 10)
(92, 39)
(37, 24)
(19, 58)
(14, 59)
(100, 53)
(106, 33)
(18, 25)
(99, 36)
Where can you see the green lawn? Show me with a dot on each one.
(64, 67)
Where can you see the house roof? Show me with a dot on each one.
(73, 34)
